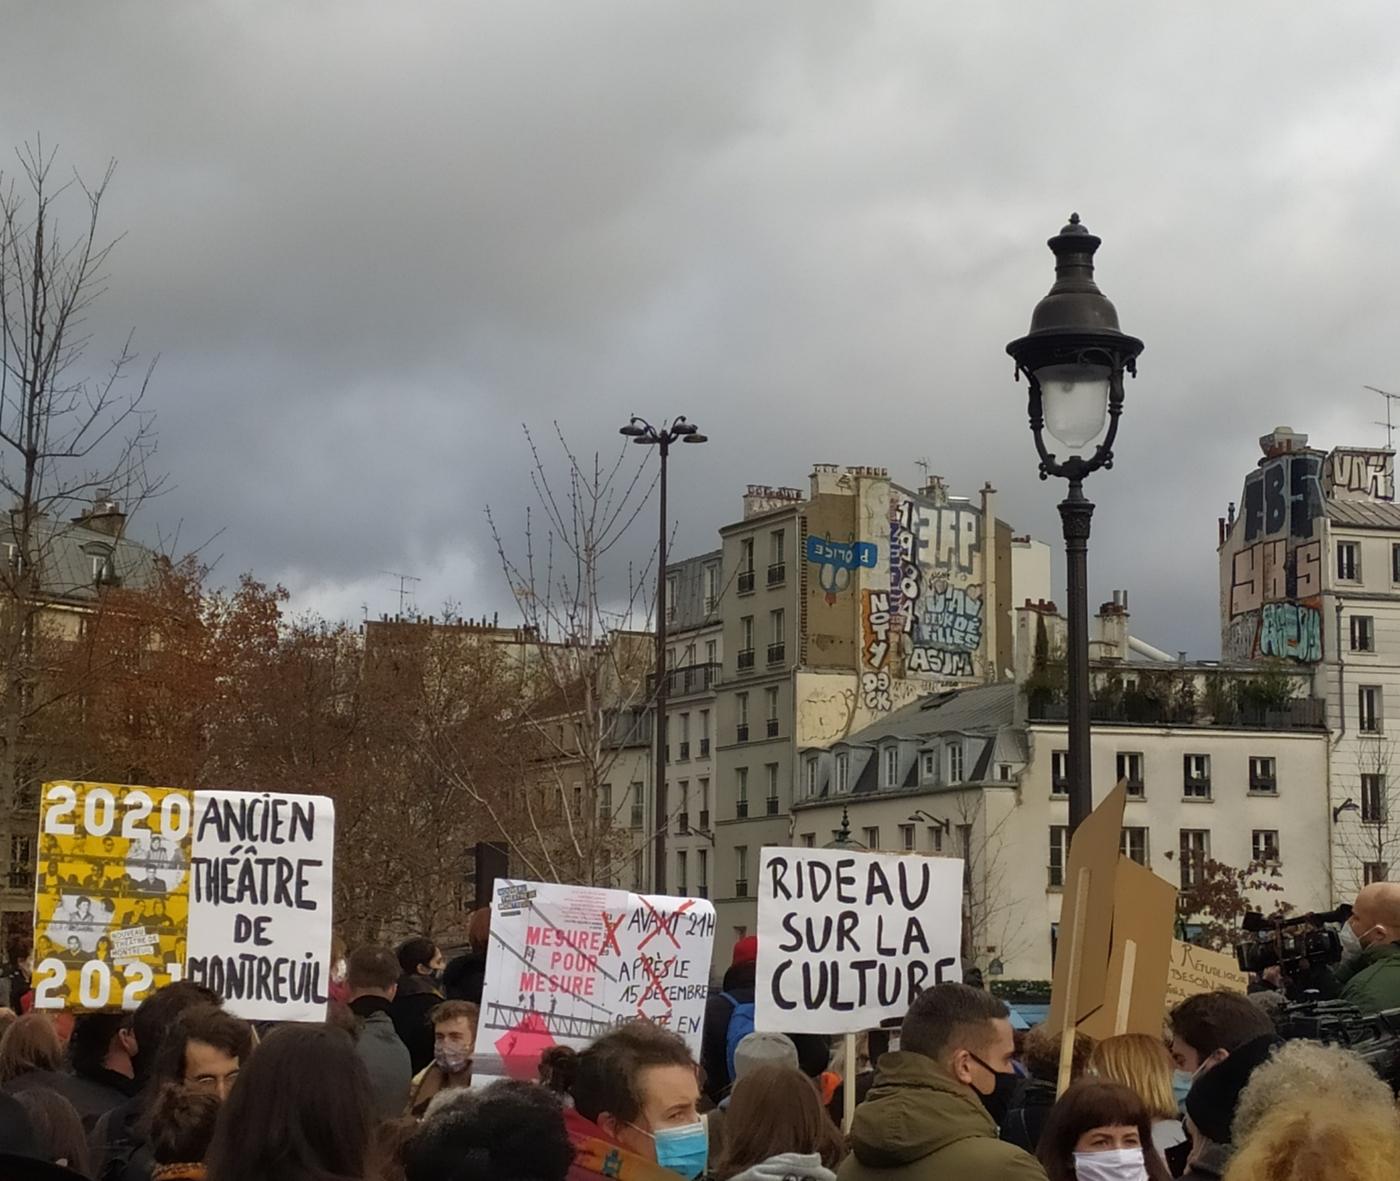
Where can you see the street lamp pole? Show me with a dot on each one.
(1074, 358)
(641, 431)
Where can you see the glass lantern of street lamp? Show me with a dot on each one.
(1074, 357)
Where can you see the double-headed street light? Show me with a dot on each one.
(1074, 358)
(641, 431)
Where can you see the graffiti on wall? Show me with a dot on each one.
(1361, 475)
(1274, 604)
(875, 650)
(947, 620)
(836, 560)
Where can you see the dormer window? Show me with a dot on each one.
(890, 767)
(955, 762)
(843, 773)
(930, 767)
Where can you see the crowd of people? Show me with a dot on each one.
(182, 1090)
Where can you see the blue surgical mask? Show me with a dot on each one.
(1181, 1085)
(685, 1150)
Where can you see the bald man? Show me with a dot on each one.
(1370, 970)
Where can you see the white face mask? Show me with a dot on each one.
(1117, 1164)
(1351, 943)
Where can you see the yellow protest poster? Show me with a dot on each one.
(1194, 970)
(112, 894)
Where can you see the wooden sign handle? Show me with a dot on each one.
(1076, 961)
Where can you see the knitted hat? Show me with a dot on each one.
(1213, 1097)
(763, 1049)
(745, 951)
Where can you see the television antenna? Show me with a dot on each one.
(405, 591)
(1390, 400)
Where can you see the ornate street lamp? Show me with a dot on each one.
(641, 431)
(1074, 358)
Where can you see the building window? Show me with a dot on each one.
(1363, 633)
(684, 751)
(711, 588)
(1130, 772)
(777, 557)
(1196, 777)
(930, 766)
(809, 840)
(741, 714)
(1059, 773)
(605, 802)
(955, 762)
(1059, 855)
(1375, 871)
(810, 777)
(741, 871)
(890, 766)
(1265, 846)
(638, 871)
(681, 889)
(704, 788)
(711, 652)
(772, 799)
(871, 837)
(745, 656)
(843, 773)
(1132, 843)
(1348, 561)
(635, 791)
(1263, 780)
(1395, 563)
(741, 792)
(771, 701)
(906, 837)
(1195, 852)
(702, 873)
(935, 838)
(670, 598)
(1004, 772)
(777, 647)
(704, 733)
(1369, 709)
(746, 566)
(21, 863)
(1373, 799)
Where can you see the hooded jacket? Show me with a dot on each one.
(788, 1166)
(919, 1124)
(1372, 982)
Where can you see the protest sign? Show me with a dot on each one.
(568, 963)
(260, 902)
(1135, 985)
(1194, 970)
(140, 886)
(846, 939)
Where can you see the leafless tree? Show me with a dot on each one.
(1370, 835)
(71, 432)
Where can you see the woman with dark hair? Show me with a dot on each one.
(30, 1054)
(776, 1126)
(1100, 1131)
(635, 1096)
(301, 1110)
(57, 1129)
(181, 1122)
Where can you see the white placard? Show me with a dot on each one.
(568, 963)
(260, 902)
(846, 939)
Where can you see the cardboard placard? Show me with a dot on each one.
(140, 886)
(1193, 970)
(568, 963)
(847, 939)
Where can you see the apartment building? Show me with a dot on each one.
(982, 774)
(1310, 578)
(833, 606)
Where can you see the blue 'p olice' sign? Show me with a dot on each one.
(845, 555)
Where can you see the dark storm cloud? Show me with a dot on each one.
(371, 239)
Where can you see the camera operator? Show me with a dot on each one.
(1369, 974)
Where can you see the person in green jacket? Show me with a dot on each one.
(1369, 974)
(924, 1119)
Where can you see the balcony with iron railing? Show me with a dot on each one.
(777, 653)
(741, 888)
(777, 574)
(772, 729)
(704, 748)
(772, 803)
(684, 753)
(741, 810)
(682, 823)
(745, 582)
(705, 818)
(744, 660)
(741, 732)
(688, 680)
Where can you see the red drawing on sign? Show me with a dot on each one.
(655, 985)
(661, 926)
(610, 927)
(520, 1048)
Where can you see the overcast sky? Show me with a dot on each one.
(370, 240)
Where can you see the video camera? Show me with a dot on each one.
(1289, 940)
(1374, 1037)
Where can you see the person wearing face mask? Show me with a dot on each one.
(1369, 974)
(1100, 1131)
(1142, 1064)
(927, 1115)
(1035, 1095)
(419, 993)
(454, 1036)
(635, 1115)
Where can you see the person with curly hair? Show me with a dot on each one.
(511, 1130)
(1301, 1070)
(1319, 1138)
